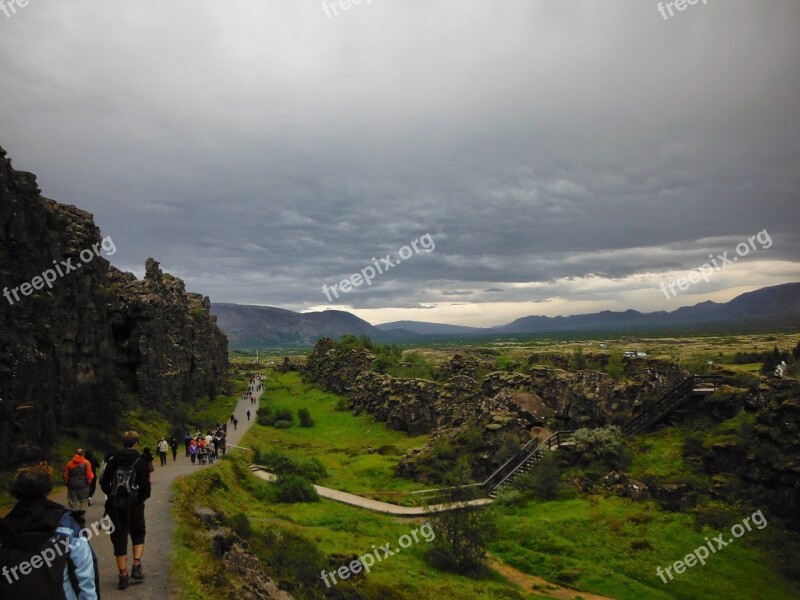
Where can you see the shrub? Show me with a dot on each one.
(461, 540)
(295, 562)
(305, 418)
(604, 445)
(294, 488)
(284, 414)
(240, 523)
(281, 464)
(267, 417)
(542, 481)
(510, 496)
(282, 424)
(341, 405)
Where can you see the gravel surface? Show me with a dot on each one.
(160, 525)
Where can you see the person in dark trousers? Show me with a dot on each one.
(162, 448)
(29, 532)
(147, 455)
(96, 470)
(173, 445)
(186, 439)
(128, 520)
(78, 477)
(235, 423)
(248, 415)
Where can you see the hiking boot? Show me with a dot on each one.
(123, 582)
(136, 573)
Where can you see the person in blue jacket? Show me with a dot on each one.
(42, 551)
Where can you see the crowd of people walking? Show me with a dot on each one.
(125, 476)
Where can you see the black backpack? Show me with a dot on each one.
(44, 581)
(124, 491)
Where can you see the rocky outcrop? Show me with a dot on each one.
(73, 350)
(764, 456)
(336, 367)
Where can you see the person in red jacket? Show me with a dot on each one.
(78, 476)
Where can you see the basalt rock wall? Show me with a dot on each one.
(74, 349)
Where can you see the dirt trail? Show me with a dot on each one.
(160, 525)
(538, 586)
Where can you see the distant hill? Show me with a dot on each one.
(422, 328)
(778, 304)
(266, 326)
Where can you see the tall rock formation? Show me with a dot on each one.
(74, 351)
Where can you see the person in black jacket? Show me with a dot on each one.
(130, 520)
(96, 470)
(26, 536)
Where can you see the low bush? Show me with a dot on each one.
(240, 523)
(282, 424)
(282, 464)
(305, 418)
(294, 488)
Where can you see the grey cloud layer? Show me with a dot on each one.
(260, 149)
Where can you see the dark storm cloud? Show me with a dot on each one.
(552, 150)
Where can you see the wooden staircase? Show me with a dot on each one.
(649, 415)
(532, 452)
(525, 460)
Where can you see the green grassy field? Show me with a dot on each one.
(359, 452)
(601, 544)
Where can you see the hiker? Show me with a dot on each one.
(173, 444)
(78, 475)
(235, 423)
(126, 482)
(162, 448)
(28, 534)
(95, 471)
(147, 456)
(248, 415)
(186, 439)
(193, 450)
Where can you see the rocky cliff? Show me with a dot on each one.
(79, 337)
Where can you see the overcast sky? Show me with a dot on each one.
(564, 156)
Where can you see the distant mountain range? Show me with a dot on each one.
(263, 326)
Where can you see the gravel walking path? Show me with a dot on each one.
(156, 561)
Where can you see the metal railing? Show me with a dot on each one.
(528, 451)
(653, 413)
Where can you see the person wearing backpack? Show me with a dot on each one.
(78, 476)
(126, 482)
(42, 551)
